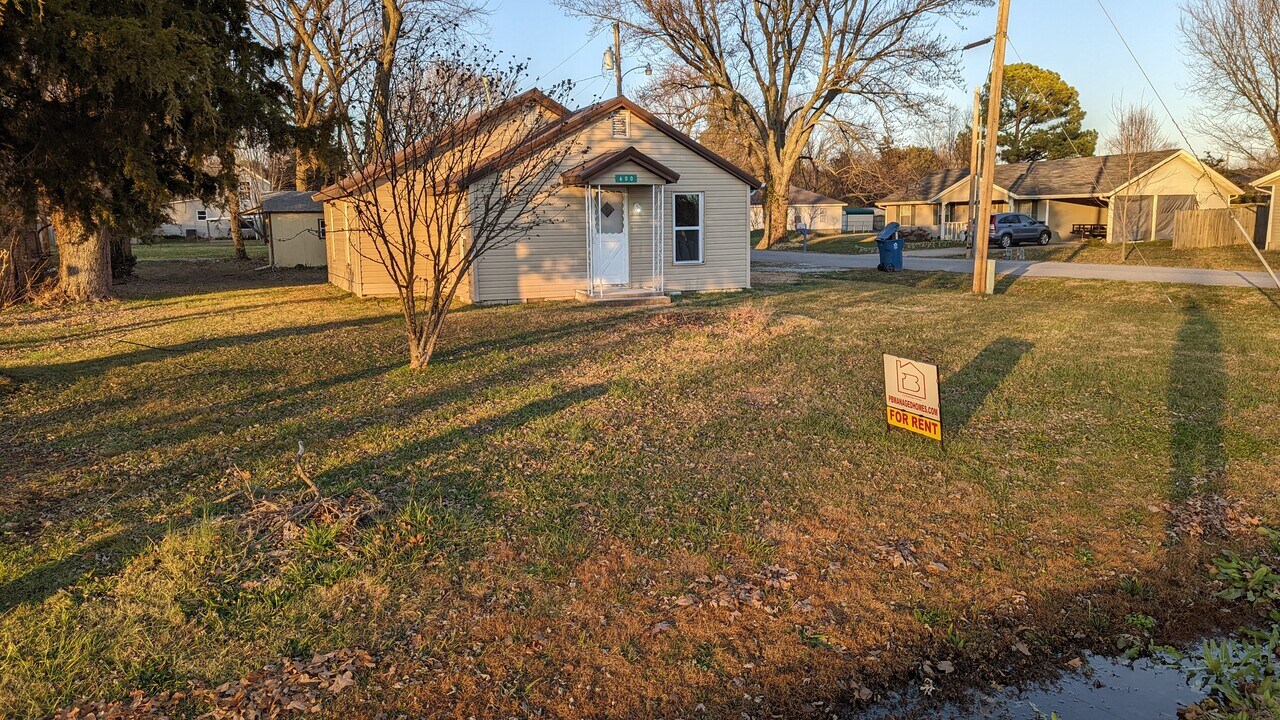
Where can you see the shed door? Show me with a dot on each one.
(610, 251)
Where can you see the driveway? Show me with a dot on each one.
(1019, 269)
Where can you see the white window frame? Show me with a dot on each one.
(701, 227)
(202, 216)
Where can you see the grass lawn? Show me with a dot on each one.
(841, 243)
(196, 251)
(606, 512)
(1157, 252)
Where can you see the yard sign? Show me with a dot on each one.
(911, 396)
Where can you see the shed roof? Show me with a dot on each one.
(799, 196)
(291, 201)
(1087, 176)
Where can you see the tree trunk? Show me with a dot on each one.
(84, 258)
(21, 264)
(300, 182)
(422, 339)
(122, 258)
(775, 207)
(392, 19)
(233, 207)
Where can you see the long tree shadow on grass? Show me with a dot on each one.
(1196, 398)
(74, 370)
(967, 389)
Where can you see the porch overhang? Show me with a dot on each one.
(597, 170)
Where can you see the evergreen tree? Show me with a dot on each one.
(110, 108)
(1040, 117)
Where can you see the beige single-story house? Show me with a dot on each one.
(817, 212)
(1132, 197)
(293, 227)
(1271, 184)
(642, 211)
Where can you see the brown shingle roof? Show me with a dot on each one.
(1100, 175)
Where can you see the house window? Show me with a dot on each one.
(202, 215)
(621, 124)
(320, 227)
(907, 215)
(687, 208)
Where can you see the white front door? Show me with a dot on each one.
(610, 251)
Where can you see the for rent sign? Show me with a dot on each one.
(911, 396)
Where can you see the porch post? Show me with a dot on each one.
(591, 278)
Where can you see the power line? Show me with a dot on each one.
(572, 54)
(1204, 168)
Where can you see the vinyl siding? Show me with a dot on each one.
(819, 218)
(552, 262)
(295, 239)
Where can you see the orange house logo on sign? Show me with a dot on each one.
(911, 396)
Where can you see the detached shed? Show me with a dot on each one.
(1271, 184)
(862, 219)
(293, 224)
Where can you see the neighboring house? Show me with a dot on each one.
(1271, 184)
(819, 213)
(194, 218)
(293, 226)
(636, 162)
(862, 219)
(1128, 196)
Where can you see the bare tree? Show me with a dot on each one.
(465, 166)
(789, 67)
(1233, 52)
(1136, 129)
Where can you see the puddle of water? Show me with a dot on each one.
(1103, 688)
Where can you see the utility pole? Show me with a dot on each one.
(975, 162)
(617, 56)
(980, 238)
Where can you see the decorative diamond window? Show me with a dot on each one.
(607, 209)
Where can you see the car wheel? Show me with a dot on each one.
(1006, 240)
(1045, 237)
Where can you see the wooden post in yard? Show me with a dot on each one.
(989, 153)
(975, 161)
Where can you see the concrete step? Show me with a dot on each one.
(623, 298)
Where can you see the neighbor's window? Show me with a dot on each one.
(688, 227)
(906, 215)
(202, 215)
(320, 224)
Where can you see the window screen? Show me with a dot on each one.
(687, 208)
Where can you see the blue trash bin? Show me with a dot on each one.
(890, 246)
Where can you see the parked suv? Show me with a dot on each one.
(1015, 228)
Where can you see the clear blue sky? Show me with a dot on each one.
(1071, 37)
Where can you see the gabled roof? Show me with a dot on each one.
(1266, 181)
(593, 167)
(290, 201)
(1097, 176)
(590, 114)
(422, 148)
(799, 196)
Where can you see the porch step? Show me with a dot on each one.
(622, 298)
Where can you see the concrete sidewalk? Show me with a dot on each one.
(1124, 273)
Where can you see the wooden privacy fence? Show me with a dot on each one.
(1215, 228)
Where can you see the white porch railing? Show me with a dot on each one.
(954, 231)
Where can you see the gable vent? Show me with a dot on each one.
(621, 124)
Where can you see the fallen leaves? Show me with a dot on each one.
(1210, 516)
(274, 691)
(734, 594)
(291, 686)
